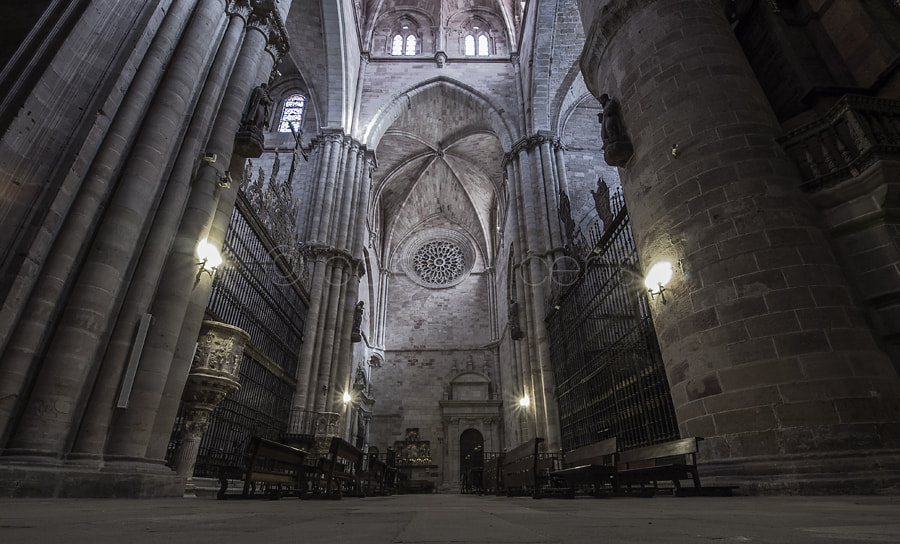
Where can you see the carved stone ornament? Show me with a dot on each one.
(617, 148)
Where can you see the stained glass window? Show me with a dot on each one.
(292, 113)
(410, 45)
(397, 45)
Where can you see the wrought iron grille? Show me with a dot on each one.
(254, 293)
(607, 363)
(258, 408)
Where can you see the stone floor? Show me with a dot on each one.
(446, 518)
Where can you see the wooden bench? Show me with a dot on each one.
(491, 480)
(341, 469)
(276, 467)
(670, 461)
(523, 467)
(375, 473)
(592, 466)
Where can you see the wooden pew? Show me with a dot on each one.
(670, 461)
(523, 467)
(342, 468)
(375, 473)
(592, 466)
(492, 480)
(277, 468)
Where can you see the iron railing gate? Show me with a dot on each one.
(610, 378)
(257, 294)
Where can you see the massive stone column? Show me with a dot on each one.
(767, 356)
(121, 357)
(528, 163)
(24, 341)
(54, 403)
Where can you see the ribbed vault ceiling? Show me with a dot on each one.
(439, 165)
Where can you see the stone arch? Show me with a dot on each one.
(389, 113)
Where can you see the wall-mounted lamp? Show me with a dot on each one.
(224, 180)
(347, 397)
(210, 259)
(659, 275)
(524, 402)
(675, 151)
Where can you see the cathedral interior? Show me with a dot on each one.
(428, 228)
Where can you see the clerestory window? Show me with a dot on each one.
(292, 113)
(404, 41)
(477, 43)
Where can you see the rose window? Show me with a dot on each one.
(439, 262)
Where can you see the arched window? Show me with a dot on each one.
(292, 113)
(397, 45)
(470, 45)
(477, 41)
(410, 45)
(483, 45)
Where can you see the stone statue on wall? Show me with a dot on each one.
(617, 148)
(515, 331)
(259, 106)
(355, 334)
(601, 203)
(565, 216)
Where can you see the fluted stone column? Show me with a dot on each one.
(107, 390)
(265, 43)
(154, 389)
(52, 406)
(213, 376)
(526, 171)
(767, 356)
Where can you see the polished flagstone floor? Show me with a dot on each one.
(447, 518)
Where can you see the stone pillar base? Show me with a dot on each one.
(71, 481)
(840, 473)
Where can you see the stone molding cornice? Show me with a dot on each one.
(530, 142)
(322, 251)
(266, 18)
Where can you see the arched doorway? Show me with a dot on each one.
(471, 461)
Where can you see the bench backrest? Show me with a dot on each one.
(263, 449)
(341, 449)
(599, 453)
(523, 451)
(685, 446)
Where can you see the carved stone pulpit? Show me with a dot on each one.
(213, 375)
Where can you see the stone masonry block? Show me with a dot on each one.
(789, 299)
(728, 268)
(761, 373)
(746, 243)
(823, 318)
(704, 387)
(856, 339)
(759, 283)
(825, 295)
(725, 334)
(734, 400)
(759, 418)
(796, 343)
(742, 308)
(789, 237)
(804, 414)
(699, 321)
(761, 442)
(772, 324)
